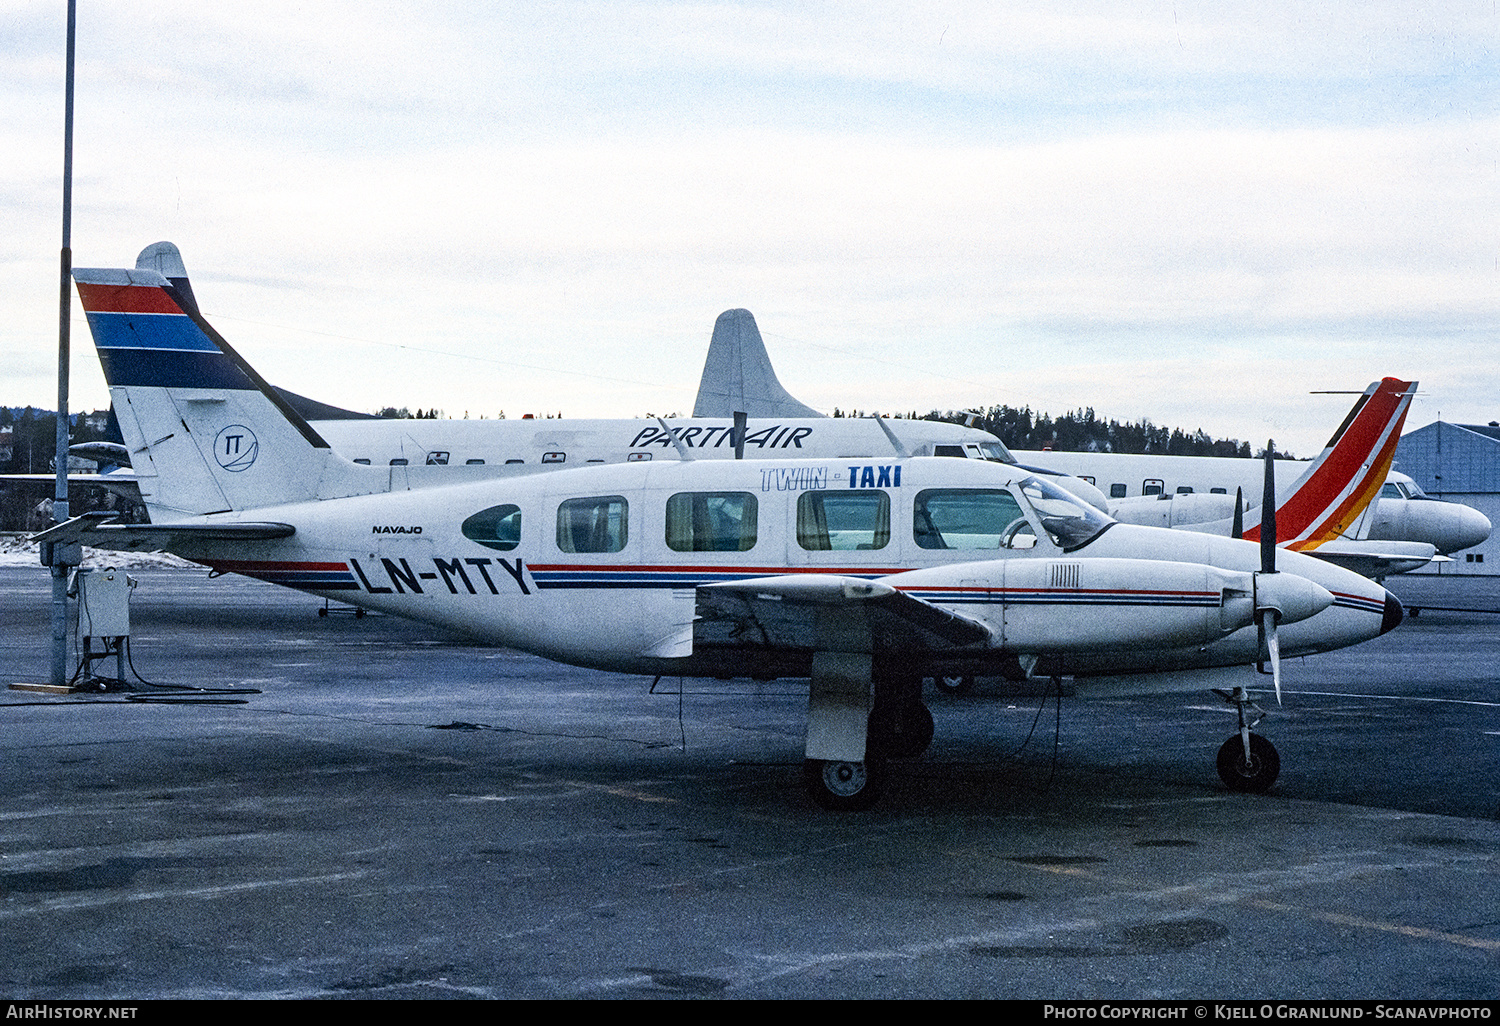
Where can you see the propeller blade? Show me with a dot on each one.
(1268, 516)
(1265, 623)
(1273, 649)
(1238, 529)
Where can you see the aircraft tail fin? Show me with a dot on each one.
(738, 377)
(206, 433)
(1331, 495)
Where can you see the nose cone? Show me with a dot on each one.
(1471, 529)
(1393, 613)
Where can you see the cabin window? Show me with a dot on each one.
(1184, 489)
(711, 521)
(1218, 491)
(554, 457)
(363, 461)
(509, 462)
(400, 461)
(473, 463)
(859, 519)
(966, 518)
(498, 527)
(595, 524)
(437, 459)
(1117, 491)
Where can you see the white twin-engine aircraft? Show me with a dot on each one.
(863, 575)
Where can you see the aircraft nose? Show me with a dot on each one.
(1473, 528)
(1393, 613)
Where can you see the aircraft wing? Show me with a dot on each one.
(816, 612)
(1377, 559)
(89, 529)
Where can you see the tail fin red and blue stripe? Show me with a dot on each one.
(1331, 495)
(206, 433)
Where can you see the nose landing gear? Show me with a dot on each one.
(1247, 762)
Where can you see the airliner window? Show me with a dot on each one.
(965, 518)
(1069, 522)
(1390, 491)
(498, 527)
(596, 524)
(437, 459)
(858, 519)
(711, 521)
(1117, 491)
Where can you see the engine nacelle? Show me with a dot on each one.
(1173, 510)
(1118, 603)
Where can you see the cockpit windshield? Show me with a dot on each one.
(1070, 522)
(996, 452)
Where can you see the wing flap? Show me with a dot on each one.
(822, 613)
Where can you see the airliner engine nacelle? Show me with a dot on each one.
(1173, 510)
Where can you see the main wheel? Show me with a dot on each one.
(954, 685)
(1258, 774)
(900, 730)
(844, 786)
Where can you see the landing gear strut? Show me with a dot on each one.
(1247, 762)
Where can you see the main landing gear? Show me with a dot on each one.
(1247, 762)
(899, 727)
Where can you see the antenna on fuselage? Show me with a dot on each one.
(895, 442)
(682, 450)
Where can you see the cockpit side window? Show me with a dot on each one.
(1390, 491)
(844, 520)
(711, 521)
(498, 527)
(596, 524)
(965, 518)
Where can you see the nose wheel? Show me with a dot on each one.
(1247, 762)
(1254, 773)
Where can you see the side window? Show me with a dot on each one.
(711, 521)
(1117, 491)
(859, 519)
(498, 527)
(948, 450)
(1218, 491)
(400, 461)
(1390, 491)
(437, 458)
(1152, 486)
(473, 463)
(595, 524)
(966, 518)
(1184, 489)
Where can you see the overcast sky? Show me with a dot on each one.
(1190, 212)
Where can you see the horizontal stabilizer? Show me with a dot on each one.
(90, 529)
(1377, 558)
